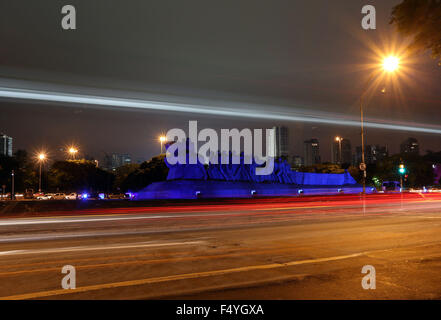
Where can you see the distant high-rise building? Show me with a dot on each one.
(346, 151)
(119, 160)
(115, 160)
(296, 161)
(107, 162)
(5, 145)
(411, 145)
(281, 142)
(372, 154)
(311, 152)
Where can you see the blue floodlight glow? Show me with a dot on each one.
(232, 111)
(84, 196)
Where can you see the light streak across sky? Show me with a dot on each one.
(107, 101)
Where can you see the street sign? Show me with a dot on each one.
(363, 166)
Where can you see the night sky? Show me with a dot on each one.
(311, 55)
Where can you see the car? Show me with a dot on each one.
(29, 194)
(71, 196)
(5, 196)
(19, 196)
(89, 196)
(58, 196)
(116, 196)
(390, 186)
(43, 197)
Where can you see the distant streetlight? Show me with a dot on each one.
(12, 185)
(390, 64)
(339, 139)
(162, 139)
(41, 158)
(72, 152)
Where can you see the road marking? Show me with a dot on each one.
(166, 255)
(43, 294)
(238, 252)
(93, 248)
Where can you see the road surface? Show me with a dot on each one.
(302, 248)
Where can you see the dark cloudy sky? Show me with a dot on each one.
(310, 54)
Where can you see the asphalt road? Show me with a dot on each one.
(310, 248)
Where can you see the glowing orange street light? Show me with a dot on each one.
(391, 63)
(41, 158)
(162, 139)
(73, 151)
(339, 139)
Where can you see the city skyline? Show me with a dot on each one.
(283, 147)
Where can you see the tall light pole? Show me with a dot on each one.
(72, 152)
(339, 139)
(162, 139)
(41, 158)
(390, 64)
(12, 185)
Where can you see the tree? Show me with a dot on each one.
(149, 171)
(323, 168)
(419, 170)
(420, 20)
(25, 173)
(121, 174)
(434, 157)
(79, 176)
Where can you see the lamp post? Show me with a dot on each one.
(12, 185)
(390, 64)
(162, 139)
(41, 158)
(339, 149)
(72, 152)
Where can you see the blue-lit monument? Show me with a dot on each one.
(239, 180)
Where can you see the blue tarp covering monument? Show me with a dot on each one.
(216, 180)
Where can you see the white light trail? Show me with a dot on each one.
(100, 247)
(64, 97)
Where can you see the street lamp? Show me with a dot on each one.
(73, 151)
(41, 159)
(390, 64)
(162, 139)
(339, 139)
